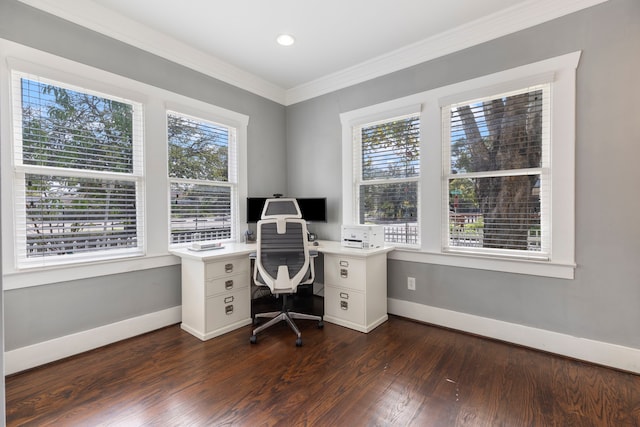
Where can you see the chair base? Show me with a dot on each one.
(287, 316)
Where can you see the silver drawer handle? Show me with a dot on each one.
(227, 300)
(344, 263)
(344, 305)
(228, 284)
(228, 268)
(228, 310)
(344, 295)
(344, 273)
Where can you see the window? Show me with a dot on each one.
(387, 178)
(77, 173)
(493, 168)
(497, 180)
(84, 169)
(203, 179)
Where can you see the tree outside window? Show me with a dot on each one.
(497, 189)
(202, 179)
(389, 154)
(77, 163)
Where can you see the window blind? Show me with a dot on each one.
(388, 178)
(203, 177)
(390, 149)
(497, 190)
(78, 159)
(78, 215)
(198, 149)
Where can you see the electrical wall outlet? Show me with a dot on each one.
(411, 283)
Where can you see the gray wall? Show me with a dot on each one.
(38, 313)
(45, 312)
(603, 302)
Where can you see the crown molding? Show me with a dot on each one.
(510, 20)
(114, 25)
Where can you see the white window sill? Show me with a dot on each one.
(518, 266)
(64, 273)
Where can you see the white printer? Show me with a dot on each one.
(363, 236)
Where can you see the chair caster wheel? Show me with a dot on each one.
(320, 324)
(299, 342)
(253, 339)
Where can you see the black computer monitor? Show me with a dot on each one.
(254, 208)
(313, 209)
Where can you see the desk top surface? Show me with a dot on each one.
(232, 249)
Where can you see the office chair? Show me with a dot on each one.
(283, 261)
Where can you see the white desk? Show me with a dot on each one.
(216, 287)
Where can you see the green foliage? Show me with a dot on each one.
(390, 151)
(465, 189)
(66, 128)
(197, 150)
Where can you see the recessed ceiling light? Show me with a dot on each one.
(285, 40)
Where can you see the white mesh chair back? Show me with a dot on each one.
(281, 208)
(282, 260)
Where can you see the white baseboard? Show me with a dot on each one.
(601, 353)
(48, 351)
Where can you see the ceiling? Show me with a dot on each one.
(331, 34)
(338, 42)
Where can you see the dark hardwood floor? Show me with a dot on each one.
(402, 373)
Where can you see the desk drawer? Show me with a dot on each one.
(227, 283)
(227, 267)
(346, 272)
(226, 309)
(344, 304)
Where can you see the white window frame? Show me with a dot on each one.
(21, 169)
(236, 157)
(561, 72)
(155, 101)
(354, 125)
(542, 171)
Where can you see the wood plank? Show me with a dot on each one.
(402, 373)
